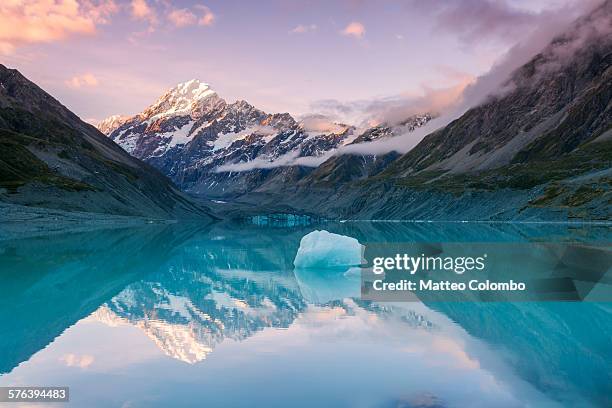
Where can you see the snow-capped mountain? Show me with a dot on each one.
(209, 146)
(111, 123)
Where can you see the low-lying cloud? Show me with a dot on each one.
(289, 159)
(320, 123)
(394, 109)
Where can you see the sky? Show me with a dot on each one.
(348, 58)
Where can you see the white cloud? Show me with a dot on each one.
(320, 123)
(289, 159)
(354, 29)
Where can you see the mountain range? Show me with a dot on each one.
(200, 141)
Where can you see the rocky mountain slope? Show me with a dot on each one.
(550, 106)
(50, 158)
(539, 149)
(217, 149)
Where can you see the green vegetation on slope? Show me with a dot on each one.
(522, 176)
(18, 166)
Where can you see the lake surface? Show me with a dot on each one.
(218, 316)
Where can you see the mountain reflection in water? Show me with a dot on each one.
(184, 315)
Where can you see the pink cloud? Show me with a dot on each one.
(207, 15)
(85, 80)
(185, 17)
(142, 11)
(35, 21)
(101, 11)
(354, 29)
(182, 17)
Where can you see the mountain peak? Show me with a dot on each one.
(193, 89)
(183, 99)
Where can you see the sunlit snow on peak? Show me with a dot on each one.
(193, 89)
(180, 100)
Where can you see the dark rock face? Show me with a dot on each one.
(50, 158)
(212, 148)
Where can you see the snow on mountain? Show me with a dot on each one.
(225, 140)
(111, 123)
(183, 99)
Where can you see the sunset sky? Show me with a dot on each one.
(116, 57)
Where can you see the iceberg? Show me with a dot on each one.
(324, 250)
(327, 267)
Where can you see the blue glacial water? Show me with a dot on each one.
(218, 316)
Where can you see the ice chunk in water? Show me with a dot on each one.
(326, 267)
(324, 250)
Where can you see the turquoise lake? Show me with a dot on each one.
(189, 315)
